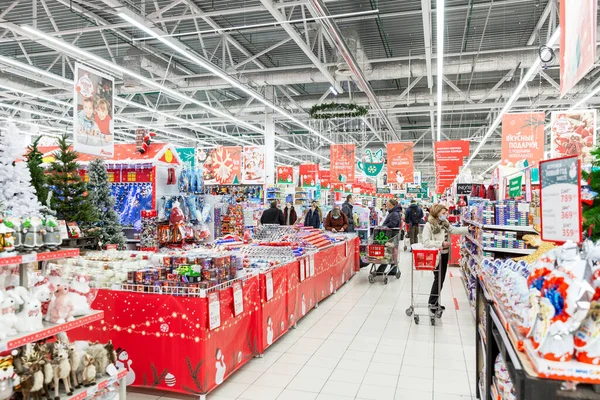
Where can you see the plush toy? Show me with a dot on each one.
(79, 293)
(177, 222)
(76, 356)
(89, 370)
(29, 319)
(103, 356)
(62, 368)
(61, 307)
(34, 362)
(8, 377)
(8, 305)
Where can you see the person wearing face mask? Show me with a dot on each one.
(336, 221)
(393, 220)
(313, 216)
(289, 214)
(436, 235)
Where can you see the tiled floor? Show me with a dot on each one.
(359, 344)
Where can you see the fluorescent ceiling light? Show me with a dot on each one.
(333, 91)
(440, 64)
(39, 96)
(31, 111)
(585, 99)
(218, 72)
(530, 73)
(32, 69)
(150, 83)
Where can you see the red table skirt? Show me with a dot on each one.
(165, 342)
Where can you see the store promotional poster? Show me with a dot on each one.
(93, 112)
(522, 139)
(342, 163)
(223, 166)
(400, 162)
(253, 171)
(573, 134)
(285, 175)
(577, 41)
(309, 175)
(449, 158)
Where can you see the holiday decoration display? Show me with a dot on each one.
(142, 139)
(573, 134)
(17, 196)
(107, 228)
(337, 110)
(223, 166)
(69, 193)
(38, 175)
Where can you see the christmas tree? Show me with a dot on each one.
(591, 209)
(38, 175)
(69, 193)
(109, 229)
(17, 194)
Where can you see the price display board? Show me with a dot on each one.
(560, 200)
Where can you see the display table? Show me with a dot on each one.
(165, 340)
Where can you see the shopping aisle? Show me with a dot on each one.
(359, 344)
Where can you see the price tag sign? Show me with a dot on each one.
(111, 247)
(269, 285)
(238, 299)
(514, 187)
(29, 258)
(214, 311)
(560, 200)
(311, 266)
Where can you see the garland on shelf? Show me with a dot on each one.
(337, 110)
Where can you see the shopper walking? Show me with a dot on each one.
(336, 221)
(272, 215)
(347, 209)
(436, 236)
(313, 216)
(289, 214)
(393, 220)
(414, 215)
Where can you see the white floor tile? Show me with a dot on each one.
(341, 388)
(289, 394)
(382, 380)
(256, 392)
(405, 394)
(371, 392)
(384, 368)
(308, 384)
(274, 380)
(346, 375)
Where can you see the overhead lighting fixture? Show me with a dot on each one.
(39, 96)
(333, 91)
(585, 99)
(530, 73)
(440, 64)
(218, 72)
(35, 112)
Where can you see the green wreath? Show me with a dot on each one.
(337, 110)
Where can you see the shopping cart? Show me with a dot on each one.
(382, 248)
(423, 260)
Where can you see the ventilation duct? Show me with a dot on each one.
(356, 48)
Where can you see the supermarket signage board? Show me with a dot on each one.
(560, 200)
(386, 190)
(464, 188)
(515, 187)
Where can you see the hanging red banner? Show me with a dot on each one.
(223, 166)
(309, 174)
(577, 41)
(325, 178)
(400, 162)
(285, 175)
(449, 157)
(342, 163)
(522, 138)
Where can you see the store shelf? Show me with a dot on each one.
(482, 333)
(43, 256)
(49, 330)
(474, 241)
(526, 229)
(86, 392)
(509, 251)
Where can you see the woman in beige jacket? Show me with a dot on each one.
(436, 235)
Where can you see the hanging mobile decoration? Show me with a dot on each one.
(372, 163)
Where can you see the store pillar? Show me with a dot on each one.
(269, 140)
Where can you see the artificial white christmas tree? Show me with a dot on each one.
(16, 192)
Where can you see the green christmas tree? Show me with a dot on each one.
(109, 230)
(591, 212)
(38, 174)
(70, 197)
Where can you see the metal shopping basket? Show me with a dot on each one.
(382, 248)
(423, 260)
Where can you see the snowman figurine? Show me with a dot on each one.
(269, 331)
(220, 366)
(123, 362)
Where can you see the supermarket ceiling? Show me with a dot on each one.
(205, 71)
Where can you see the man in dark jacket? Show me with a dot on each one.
(347, 209)
(393, 218)
(414, 215)
(272, 215)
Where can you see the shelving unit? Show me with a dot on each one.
(49, 330)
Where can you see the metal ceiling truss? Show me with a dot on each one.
(294, 48)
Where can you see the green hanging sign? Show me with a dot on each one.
(515, 187)
(371, 164)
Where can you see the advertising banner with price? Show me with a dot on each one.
(560, 200)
